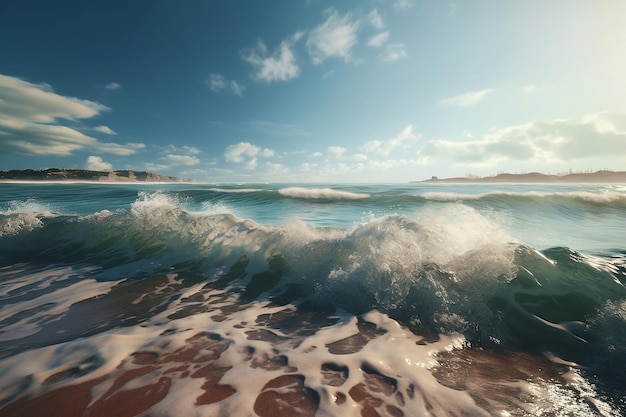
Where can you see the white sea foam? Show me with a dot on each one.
(321, 194)
(402, 379)
(23, 216)
(603, 197)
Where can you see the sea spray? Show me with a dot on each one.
(239, 300)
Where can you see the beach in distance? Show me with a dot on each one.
(282, 300)
(83, 175)
(603, 176)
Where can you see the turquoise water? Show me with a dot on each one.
(588, 218)
(512, 269)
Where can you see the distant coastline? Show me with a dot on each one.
(84, 175)
(536, 177)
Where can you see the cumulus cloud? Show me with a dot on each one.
(251, 164)
(217, 82)
(95, 163)
(551, 141)
(403, 140)
(470, 98)
(245, 152)
(338, 151)
(279, 66)
(334, 38)
(31, 121)
(112, 86)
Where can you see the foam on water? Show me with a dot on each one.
(23, 216)
(178, 302)
(321, 194)
(248, 361)
(595, 197)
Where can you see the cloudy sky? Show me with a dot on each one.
(313, 91)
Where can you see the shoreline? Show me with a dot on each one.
(599, 177)
(70, 181)
(56, 175)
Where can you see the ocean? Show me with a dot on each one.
(186, 299)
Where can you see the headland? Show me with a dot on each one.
(84, 175)
(538, 178)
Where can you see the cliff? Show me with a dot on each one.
(55, 174)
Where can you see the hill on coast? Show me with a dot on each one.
(536, 177)
(55, 174)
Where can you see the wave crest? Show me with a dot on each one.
(321, 194)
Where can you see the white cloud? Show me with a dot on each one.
(95, 163)
(338, 151)
(112, 86)
(280, 66)
(467, 99)
(104, 129)
(375, 20)
(118, 149)
(394, 52)
(334, 38)
(252, 164)
(245, 152)
(237, 88)
(316, 154)
(39, 104)
(236, 153)
(191, 150)
(552, 141)
(217, 82)
(402, 4)
(528, 89)
(187, 160)
(403, 140)
(31, 121)
(378, 40)
(267, 153)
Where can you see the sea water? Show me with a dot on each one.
(328, 300)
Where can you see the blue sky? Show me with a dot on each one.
(313, 91)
